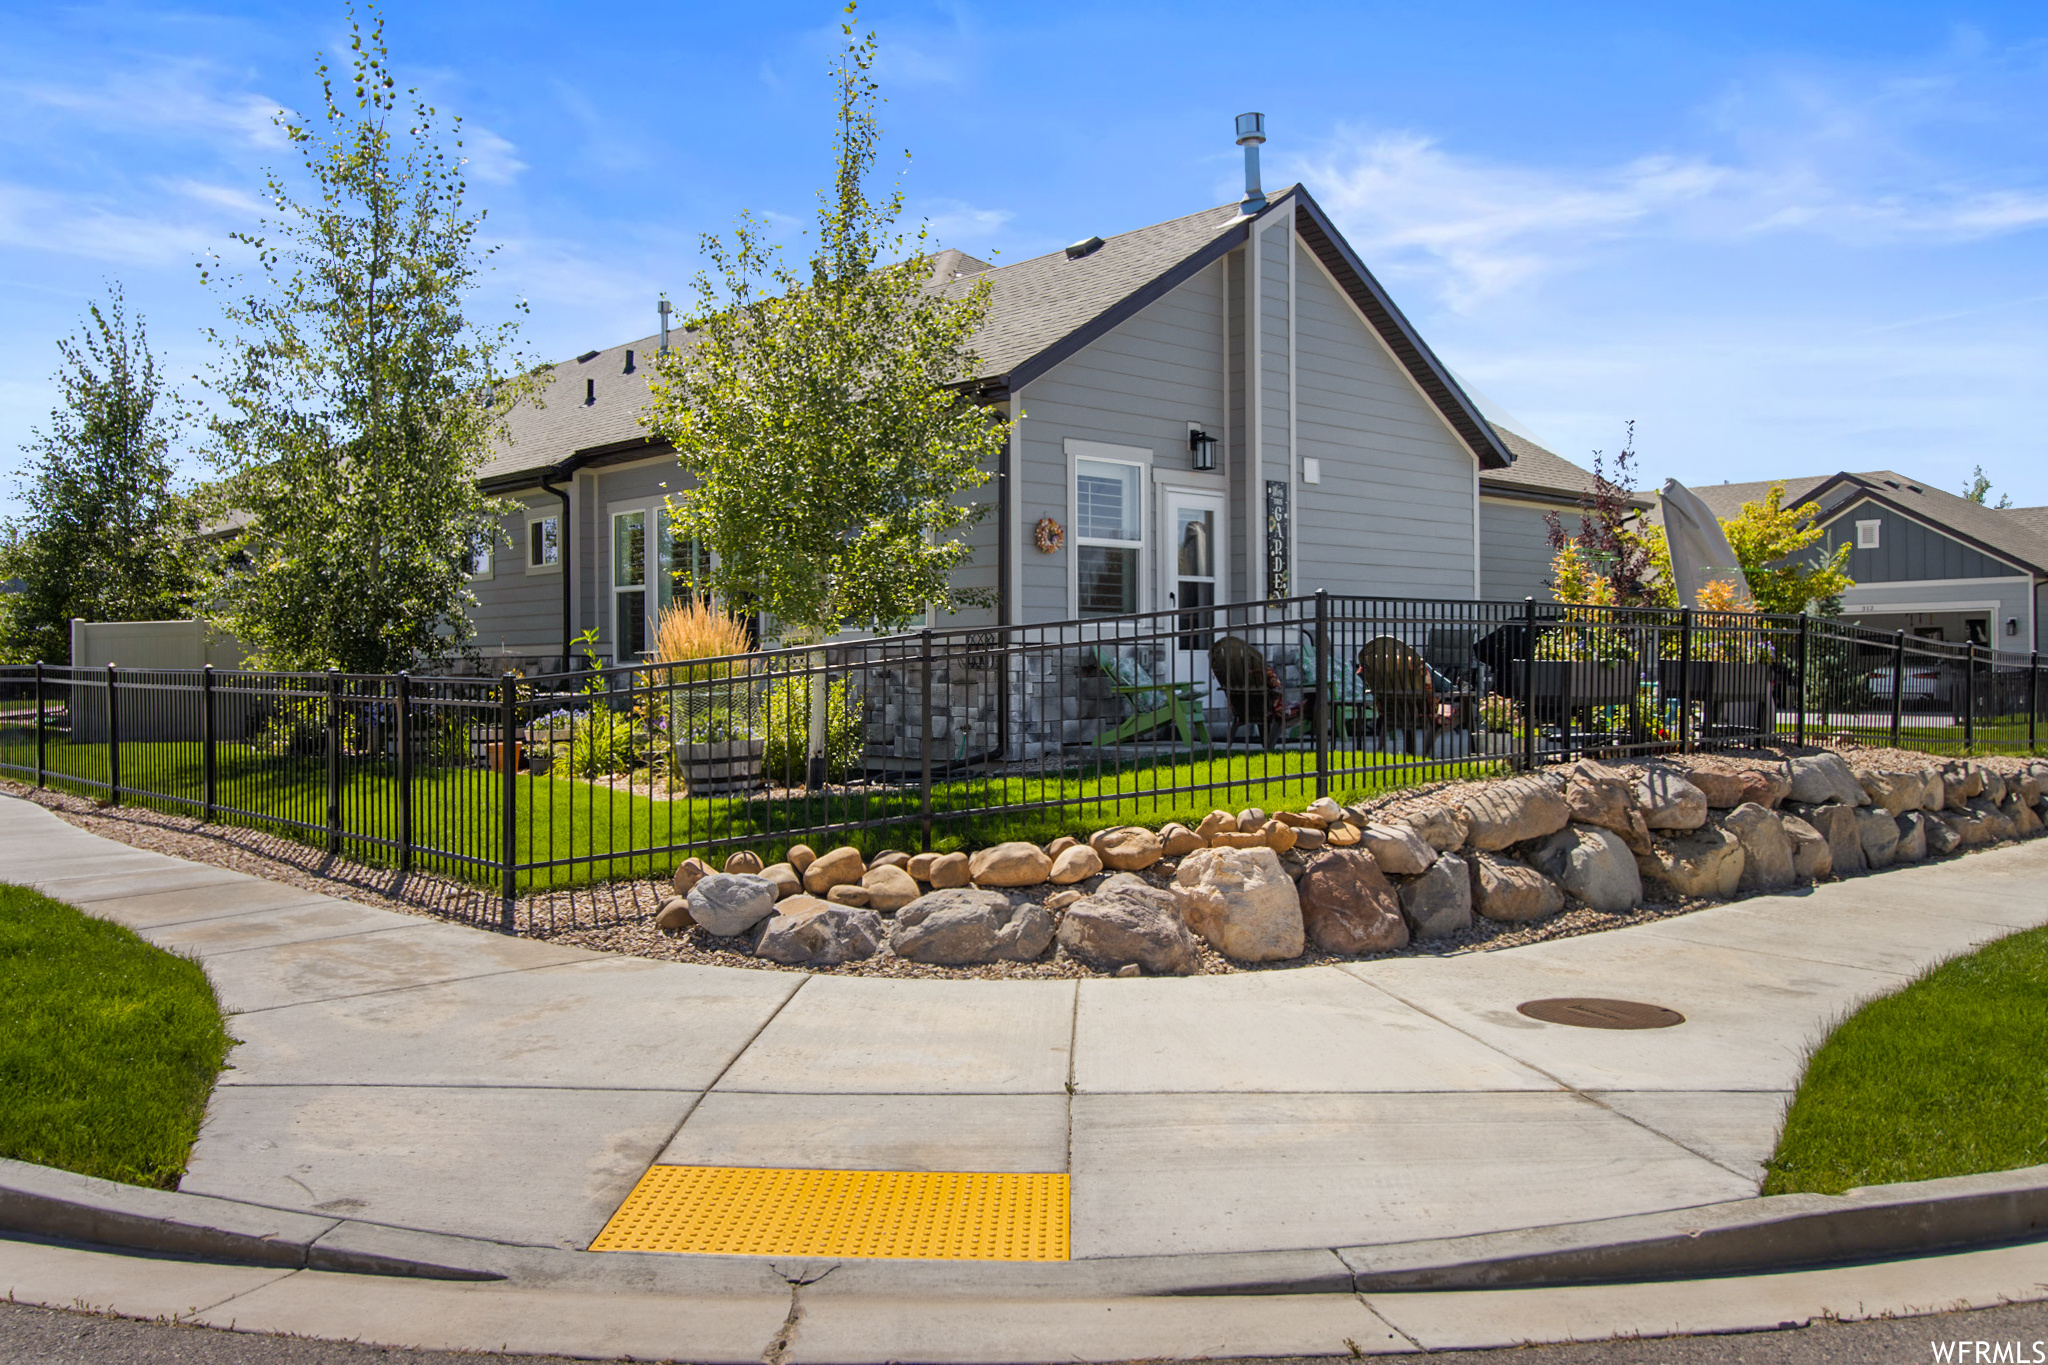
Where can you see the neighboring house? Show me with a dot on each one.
(1515, 507)
(1345, 456)
(1924, 561)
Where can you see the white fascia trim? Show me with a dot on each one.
(1909, 608)
(1294, 586)
(1894, 584)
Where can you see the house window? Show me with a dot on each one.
(1866, 534)
(1109, 538)
(482, 554)
(543, 544)
(689, 567)
(629, 585)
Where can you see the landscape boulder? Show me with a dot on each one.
(674, 915)
(1991, 820)
(920, 866)
(1349, 906)
(743, 861)
(807, 932)
(841, 867)
(728, 904)
(800, 857)
(1251, 818)
(1128, 922)
(1443, 828)
(2022, 815)
(1215, 823)
(1820, 778)
(1510, 812)
(1512, 892)
(1074, 864)
(1279, 837)
(950, 870)
(1242, 901)
(1992, 783)
(1767, 863)
(1837, 824)
(1726, 786)
(1132, 848)
(1439, 902)
(1878, 830)
(1012, 864)
(1344, 834)
(688, 873)
(1912, 847)
(849, 893)
(1896, 790)
(1943, 838)
(1959, 782)
(787, 883)
(1177, 841)
(889, 857)
(1811, 857)
(1669, 800)
(1325, 810)
(1593, 865)
(1703, 863)
(1604, 796)
(890, 888)
(967, 926)
(1397, 849)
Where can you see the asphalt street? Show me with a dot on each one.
(53, 1337)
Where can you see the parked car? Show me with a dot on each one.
(1921, 685)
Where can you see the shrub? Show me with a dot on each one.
(602, 743)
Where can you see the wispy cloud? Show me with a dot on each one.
(75, 225)
(949, 221)
(167, 97)
(1859, 161)
(491, 158)
(238, 202)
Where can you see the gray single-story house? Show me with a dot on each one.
(1925, 561)
(1223, 407)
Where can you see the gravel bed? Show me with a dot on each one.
(617, 917)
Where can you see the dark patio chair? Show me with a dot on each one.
(1403, 690)
(1252, 688)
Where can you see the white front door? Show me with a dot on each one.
(1191, 577)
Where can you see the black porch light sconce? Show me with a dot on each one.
(2012, 625)
(1203, 447)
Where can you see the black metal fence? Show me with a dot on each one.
(968, 736)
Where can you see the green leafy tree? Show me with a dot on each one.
(107, 534)
(1978, 490)
(358, 399)
(820, 412)
(1770, 542)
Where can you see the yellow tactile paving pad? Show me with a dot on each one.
(931, 1215)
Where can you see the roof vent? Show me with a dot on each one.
(1251, 131)
(589, 391)
(1084, 248)
(1914, 488)
(629, 361)
(1891, 483)
(586, 357)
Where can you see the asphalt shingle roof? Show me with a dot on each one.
(2017, 534)
(1537, 470)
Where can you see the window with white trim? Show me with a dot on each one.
(483, 553)
(629, 585)
(1866, 534)
(544, 544)
(1109, 536)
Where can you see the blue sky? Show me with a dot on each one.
(1783, 239)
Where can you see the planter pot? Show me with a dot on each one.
(1716, 680)
(496, 755)
(1562, 684)
(724, 766)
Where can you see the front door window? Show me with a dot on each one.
(1194, 580)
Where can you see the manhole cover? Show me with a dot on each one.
(1595, 1013)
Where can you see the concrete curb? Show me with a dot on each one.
(56, 1204)
(1743, 1236)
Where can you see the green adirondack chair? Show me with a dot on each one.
(1153, 703)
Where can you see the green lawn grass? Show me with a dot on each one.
(108, 1046)
(1946, 1077)
(602, 829)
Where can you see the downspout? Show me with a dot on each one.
(567, 468)
(1006, 513)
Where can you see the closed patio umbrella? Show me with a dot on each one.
(1700, 553)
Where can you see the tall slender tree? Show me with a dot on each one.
(820, 410)
(107, 534)
(358, 398)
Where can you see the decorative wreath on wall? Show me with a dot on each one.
(1048, 536)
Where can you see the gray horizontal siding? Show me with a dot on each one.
(1138, 386)
(1514, 551)
(1393, 513)
(517, 612)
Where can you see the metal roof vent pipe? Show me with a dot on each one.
(664, 311)
(1251, 131)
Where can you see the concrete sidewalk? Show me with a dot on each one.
(398, 1071)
